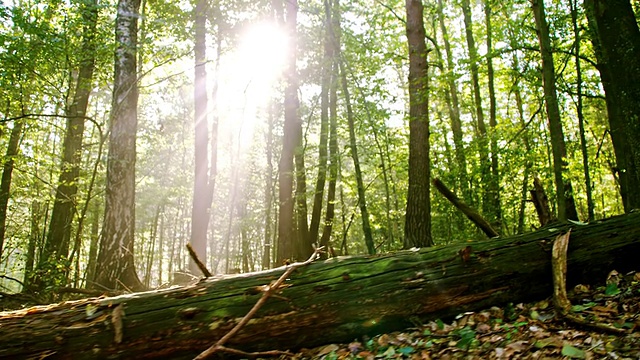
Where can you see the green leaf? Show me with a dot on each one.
(612, 289)
(579, 308)
(406, 350)
(467, 335)
(440, 324)
(390, 352)
(534, 315)
(370, 344)
(331, 356)
(572, 352)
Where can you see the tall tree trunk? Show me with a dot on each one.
(7, 172)
(494, 180)
(287, 241)
(327, 66)
(303, 248)
(202, 196)
(58, 237)
(524, 195)
(483, 150)
(268, 189)
(34, 238)
(161, 245)
(333, 125)
(418, 217)
(152, 239)
(454, 112)
(213, 141)
(616, 42)
(93, 246)
(573, 7)
(564, 191)
(116, 268)
(362, 203)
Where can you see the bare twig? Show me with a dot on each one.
(13, 279)
(271, 353)
(268, 291)
(201, 266)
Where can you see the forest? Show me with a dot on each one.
(258, 131)
(431, 153)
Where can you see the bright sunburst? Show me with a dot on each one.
(262, 54)
(249, 73)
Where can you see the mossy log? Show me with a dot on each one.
(337, 300)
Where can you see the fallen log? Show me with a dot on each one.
(337, 300)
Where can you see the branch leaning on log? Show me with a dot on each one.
(469, 212)
(337, 300)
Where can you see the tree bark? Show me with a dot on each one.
(286, 227)
(494, 181)
(115, 266)
(7, 173)
(481, 128)
(327, 67)
(616, 42)
(341, 298)
(573, 8)
(564, 190)
(56, 248)
(333, 124)
(418, 217)
(202, 196)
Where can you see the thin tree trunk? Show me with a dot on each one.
(213, 141)
(303, 248)
(152, 239)
(59, 235)
(483, 150)
(454, 112)
(268, 189)
(287, 241)
(494, 180)
(527, 163)
(116, 268)
(333, 125)
(93, 246)
(573, 7)
(564, 191)
(161, 245)
(34, 238)
(7, 172)
(418, 218)
(362, 203)
(85, 208)
(327, 66)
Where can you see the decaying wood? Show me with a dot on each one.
(560, 299)
(541, 203)
(337, 300)
(469, 212)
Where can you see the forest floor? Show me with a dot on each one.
(519, 331)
